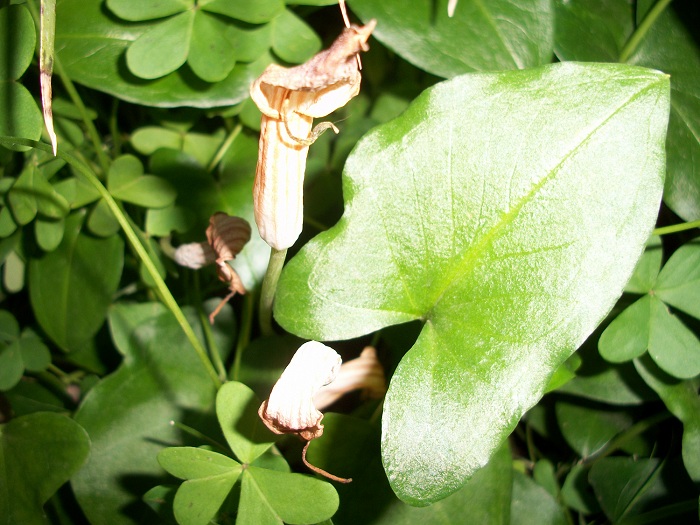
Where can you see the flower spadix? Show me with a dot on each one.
(290, 408)
(363, 373)
(289, 99)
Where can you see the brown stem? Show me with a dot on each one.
(320, 470)
(220, 306)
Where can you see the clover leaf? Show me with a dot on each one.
(510, 247)
(164, 382)
(127, 182)
(211, 35)
(649, 325)
(19, 113)
(268, 495)
(19, 351)
(213, 50)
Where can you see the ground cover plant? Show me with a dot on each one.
(498, 238)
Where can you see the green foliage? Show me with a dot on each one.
(71, 288)
(38, 454)
(483, 219)
(179, 52)
(20, 114)
(160, 376)
(266, 495)
(592, 30)
(649, 325)
(482, 36)
(19, 351)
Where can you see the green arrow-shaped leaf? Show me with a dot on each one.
(670, 45)
(506, 211)
(481, 36)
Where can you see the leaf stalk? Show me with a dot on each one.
(643, 28)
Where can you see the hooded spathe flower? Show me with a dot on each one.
(289, 99)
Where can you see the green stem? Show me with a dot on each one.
(114, 129)
(244, 330)
(627, 435)
(675, 228)
(208, 334)
(642, 29)
(197, 434)
(57, 371)
(162, 289)
(55, 385)
(224, 147)
(213, 347)
(310, 221)
(377, 412)
(269, 287)
(661, 514)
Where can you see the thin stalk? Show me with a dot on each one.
(94, 136)
(530, 442)
(675, 228)
(208, 334)
(114, 129)
(197, 434)
(269, 287)
(642, 29)
(630, 433)
(659, 515)
(244, 330)
(55, 385)
(377, 412)
(213, 347)
(310, 221)
(160, 286)
(224, 147)
(57, 371)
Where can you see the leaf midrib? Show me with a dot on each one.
(261, 494)
(473, 254)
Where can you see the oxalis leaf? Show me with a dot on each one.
(505, 210)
